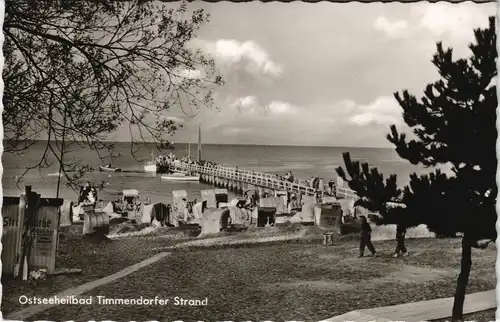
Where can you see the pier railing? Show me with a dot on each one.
(259, 179)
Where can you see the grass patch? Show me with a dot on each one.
(304, 281)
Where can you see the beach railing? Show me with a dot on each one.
(259, 179)
(346, 193)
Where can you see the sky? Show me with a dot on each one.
(321, 74)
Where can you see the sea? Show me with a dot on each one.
(303, 161)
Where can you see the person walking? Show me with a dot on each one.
(366, 238)
(400, 239)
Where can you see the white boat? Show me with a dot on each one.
(150, 166)
(107, 168)
(178, 176)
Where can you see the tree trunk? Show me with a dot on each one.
(463, 279)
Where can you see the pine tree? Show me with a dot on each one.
(454, 123)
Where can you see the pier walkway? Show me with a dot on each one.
(259, 179)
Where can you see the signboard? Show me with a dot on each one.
(43, 253)
(45, 231)
(13, 217)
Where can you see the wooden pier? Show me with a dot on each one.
(240, 180)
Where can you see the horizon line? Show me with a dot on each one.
(242, 144)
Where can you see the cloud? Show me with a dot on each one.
(174, 119)
(180, 75)
(232, 53)
(251, 105)
(245, 104)
(392, 29)
(190, 73)
(252, 120)
(456, 22)
(236, 130)
(382, 111)
(278, 107)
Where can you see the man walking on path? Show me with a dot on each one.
(400, 238)
(366, 238)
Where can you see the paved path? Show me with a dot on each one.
(28, 312)
(357, 316)
(421, 311)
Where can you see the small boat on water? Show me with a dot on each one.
(179, 176)
(150, 166)
(108, 168)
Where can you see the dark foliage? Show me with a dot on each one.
(79, 70)
(454, 123)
